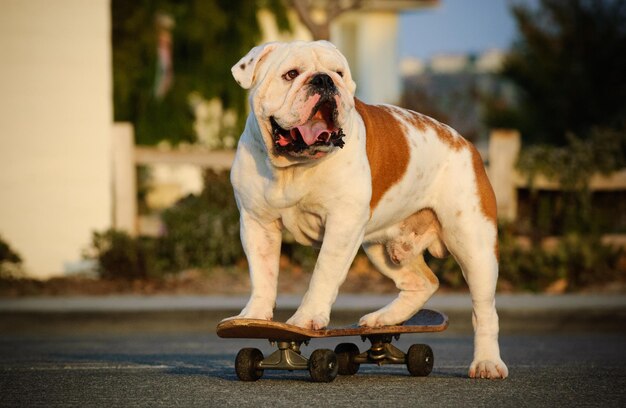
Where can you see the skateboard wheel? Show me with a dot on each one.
(323, 365)
(420, 360)
(345, 358)
(247, 364)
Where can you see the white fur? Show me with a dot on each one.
(326, 202)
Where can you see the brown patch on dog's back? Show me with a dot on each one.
(454, 141)
(444, 133)
(418, 120)
(387, 148)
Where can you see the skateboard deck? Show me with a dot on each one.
(424, 321)
(324, 365)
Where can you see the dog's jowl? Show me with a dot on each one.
(339, 174)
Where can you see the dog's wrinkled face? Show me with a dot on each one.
(301, 94)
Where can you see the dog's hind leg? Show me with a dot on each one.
(474, 243)
(415, 280)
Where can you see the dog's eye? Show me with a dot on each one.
(340, 73)
(291, 75)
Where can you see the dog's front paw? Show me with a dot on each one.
(252, 311)
(378, 319)
(257, 316)
(309, 321)
(396, 312)
(492, 369)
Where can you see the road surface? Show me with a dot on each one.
(81, 360)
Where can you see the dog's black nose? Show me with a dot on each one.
(323, 81)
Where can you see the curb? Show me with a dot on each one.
(519, 313)
(452, 302)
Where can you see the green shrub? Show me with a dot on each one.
(203, 231)
(581, 260)
(586, 261)
(572, 165)
(121, 256)
(530, 269)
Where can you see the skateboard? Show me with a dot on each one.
(323, 364)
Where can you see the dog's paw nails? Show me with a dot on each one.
(489, 369)
(369, 320)
(374, 320)
(380, 319)
(316, 322)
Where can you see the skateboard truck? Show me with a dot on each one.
(287, 357)
(322, 365)
(381, 351)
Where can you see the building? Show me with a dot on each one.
(453, 88)
(55, 126)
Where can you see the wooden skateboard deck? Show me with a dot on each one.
(424, 321)
(324, 365)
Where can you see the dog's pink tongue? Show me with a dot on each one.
(311, 130)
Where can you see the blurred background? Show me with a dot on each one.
(119, 119)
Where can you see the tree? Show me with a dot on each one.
(320, 29)
(569, 65)
(206, 38)
(10, 262)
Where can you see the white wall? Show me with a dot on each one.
(55, 126)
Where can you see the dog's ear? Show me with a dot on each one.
(244, 71)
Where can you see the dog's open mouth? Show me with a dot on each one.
(318, 134)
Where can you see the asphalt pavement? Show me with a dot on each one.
(564, 350)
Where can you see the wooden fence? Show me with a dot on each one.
(502, 152)
(126, 158)
(504, 148)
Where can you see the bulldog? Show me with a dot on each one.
(338, 174)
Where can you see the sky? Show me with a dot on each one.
(458, 26)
